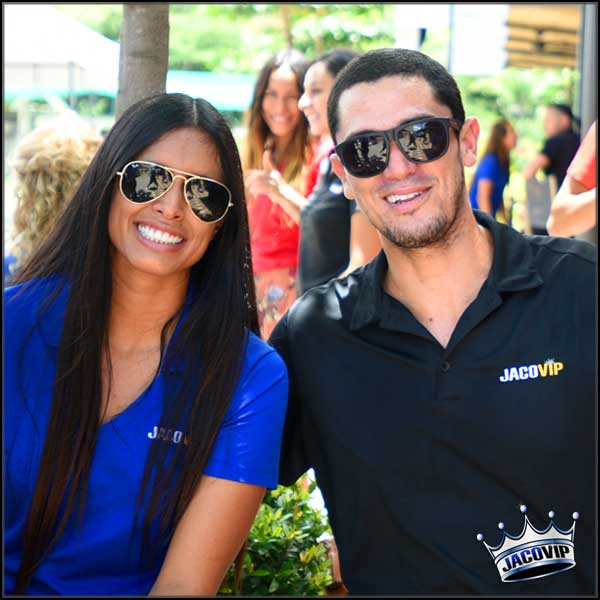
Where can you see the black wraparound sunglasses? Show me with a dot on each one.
(142, 181)
(421, 141)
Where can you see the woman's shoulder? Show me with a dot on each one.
(33, 290)
(258, 352)
(263, 385)
(28, 301)
(491, 159)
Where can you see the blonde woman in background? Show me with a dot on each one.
(276, 154)
(47, 167)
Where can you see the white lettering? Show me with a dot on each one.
(523, 372)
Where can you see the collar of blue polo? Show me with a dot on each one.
(53, 307)
(513, 270)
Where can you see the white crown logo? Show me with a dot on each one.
(533, 553)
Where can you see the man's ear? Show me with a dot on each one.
(469, 134)
(341, 173)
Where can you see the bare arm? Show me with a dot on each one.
(364, 242)
(541, 161)
(208, 537)
(485, 189)
(573, 209)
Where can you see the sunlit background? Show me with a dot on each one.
(510, 60)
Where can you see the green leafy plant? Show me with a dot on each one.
(284, 553)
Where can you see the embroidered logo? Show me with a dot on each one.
(550, 368)
(168, 435)
(533, 554)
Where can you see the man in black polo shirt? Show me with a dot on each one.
(448, 384)
(560, 145)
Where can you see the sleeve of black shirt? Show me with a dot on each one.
(551, 149)
(293, 461)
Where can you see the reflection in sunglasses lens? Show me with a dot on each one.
(143, 182)
(208, 199)
(420, 142)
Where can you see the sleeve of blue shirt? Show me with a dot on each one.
(488, 168)
(248, 444)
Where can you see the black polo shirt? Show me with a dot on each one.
(418, 448)
(560, 150)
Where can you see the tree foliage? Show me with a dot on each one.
(284, 554)
(241, 37)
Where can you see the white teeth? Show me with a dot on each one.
(393, 199)
(160, 237)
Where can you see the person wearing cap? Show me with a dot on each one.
(559, 147)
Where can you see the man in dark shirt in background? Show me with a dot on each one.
(560, 146)
(450, 383)
(554, 158)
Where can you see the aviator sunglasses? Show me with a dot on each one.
(421, 141)
(143, 182)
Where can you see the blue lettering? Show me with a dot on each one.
(516, 561)
(547, 550)
(537, 553)
(526, 556)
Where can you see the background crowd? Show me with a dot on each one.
(301, 232)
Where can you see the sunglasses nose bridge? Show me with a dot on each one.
(398, 164)
(173, 201)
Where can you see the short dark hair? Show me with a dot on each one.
(387, 62)
(335, 60)
(565, 109)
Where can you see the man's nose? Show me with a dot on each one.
(398, 167)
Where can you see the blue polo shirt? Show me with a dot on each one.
(490, 168)
(98, 558)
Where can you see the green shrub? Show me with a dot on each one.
(284, 555)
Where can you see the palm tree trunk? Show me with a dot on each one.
(144, 56)
(287, 24)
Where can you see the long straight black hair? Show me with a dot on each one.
(210, 343)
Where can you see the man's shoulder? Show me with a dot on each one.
(565, 258)
(331, 303)
(558, 248)
(564, 138)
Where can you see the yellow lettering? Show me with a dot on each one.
(543, 369)
(558, 366)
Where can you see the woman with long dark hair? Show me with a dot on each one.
(276, 142)
(143, 415)
(493, 171)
